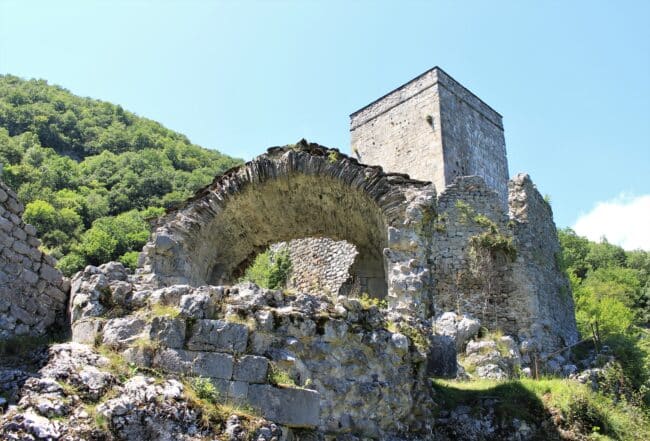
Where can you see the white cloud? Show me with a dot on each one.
(624, 221)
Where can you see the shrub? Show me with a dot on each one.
(280, 377)
(130, 259)
(269, 269)
(205, 389)
(71, 263)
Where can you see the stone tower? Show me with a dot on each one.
(433, 129)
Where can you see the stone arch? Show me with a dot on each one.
(304, 190)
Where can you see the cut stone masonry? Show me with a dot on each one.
(33, 293)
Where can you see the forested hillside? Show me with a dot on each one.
(90, 173)
(611, 289)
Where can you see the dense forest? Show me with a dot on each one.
(91, 173)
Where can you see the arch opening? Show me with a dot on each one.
(291, 207)
(298, 191)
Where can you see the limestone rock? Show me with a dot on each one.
(287, 406)
(218, 335)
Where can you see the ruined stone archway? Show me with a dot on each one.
(292, 192)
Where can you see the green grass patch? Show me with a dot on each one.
(159, 310)
(593, 414)
(215, 409)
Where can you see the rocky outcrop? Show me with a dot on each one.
(33, 293)
(79, 396)
(301, 360)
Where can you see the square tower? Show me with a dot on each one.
(433, 129)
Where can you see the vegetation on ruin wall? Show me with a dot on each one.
(611, 289)
(91, 173)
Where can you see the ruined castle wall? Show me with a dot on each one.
(536, 274)
(461, 284)
(299, 191)
(33, 293)
(529, 296)
(319, 263)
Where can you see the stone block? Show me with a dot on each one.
(33, 241)
(24, 316)
(50, 274)
(204, 364)
(218, 335)
(29, 229)
(252, 369)
(56, 294)
(122, 331)
(290, 407)
(19, 234)
(238, 390)
(21, 247)
(170, 332)
(6, 225)
(441, 359)
(140, 356)
(29, 276)
(15, 206)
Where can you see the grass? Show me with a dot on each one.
(593, 414)
(117, 365)
(280, 377)
(160, 310)
(249, 322)
(201, 394)
(145, 343)
(100, 420)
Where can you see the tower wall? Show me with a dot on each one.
(434, 129)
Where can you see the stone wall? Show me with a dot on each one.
(319, 264)
(434, 129)
(528, 297)
(536, 276)
(419, 245)
(343, 371)
(461, 285)
(33, 293)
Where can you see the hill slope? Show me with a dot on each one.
(90, 172)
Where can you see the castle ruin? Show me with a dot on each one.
(433, 225)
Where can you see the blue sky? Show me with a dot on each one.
(572, 79)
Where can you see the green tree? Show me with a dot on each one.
(91, 160)
(97, 246)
